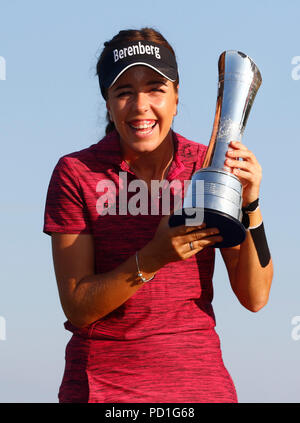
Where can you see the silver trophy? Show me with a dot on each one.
(239, 81)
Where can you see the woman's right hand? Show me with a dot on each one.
(173, 244)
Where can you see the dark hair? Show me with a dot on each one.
(146, 34)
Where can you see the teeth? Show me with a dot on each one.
(145, 126)
(141, 126)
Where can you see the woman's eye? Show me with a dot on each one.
(128, 93)
(124, 93)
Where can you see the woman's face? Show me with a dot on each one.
(142, 104)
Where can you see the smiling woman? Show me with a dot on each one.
(141, 93)
(142, 107)
(137, 294)
(133, 38)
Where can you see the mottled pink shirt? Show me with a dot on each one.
(161, 344)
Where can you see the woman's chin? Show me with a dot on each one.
(143, 145)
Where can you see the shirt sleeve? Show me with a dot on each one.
(65, 209)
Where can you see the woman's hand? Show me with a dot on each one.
(173, 244)
(247, 170)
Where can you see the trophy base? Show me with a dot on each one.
(231, 229)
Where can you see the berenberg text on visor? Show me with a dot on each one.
(136, 49)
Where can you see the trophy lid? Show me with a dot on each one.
(234, 64)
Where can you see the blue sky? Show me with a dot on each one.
(50, 105)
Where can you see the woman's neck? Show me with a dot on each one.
(153, 165)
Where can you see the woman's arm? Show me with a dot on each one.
(250, 277)
(250, 282)
(86, 297)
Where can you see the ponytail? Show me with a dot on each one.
(110, 125)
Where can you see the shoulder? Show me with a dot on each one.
(91, 157)
(189, 149)
(81, 156)
(193, 145)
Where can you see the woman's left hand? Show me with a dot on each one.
(247, 170)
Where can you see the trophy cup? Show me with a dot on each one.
(239, 81)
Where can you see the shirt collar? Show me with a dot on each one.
(109, 151)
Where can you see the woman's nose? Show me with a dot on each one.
(141, 102)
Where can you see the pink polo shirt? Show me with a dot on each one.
(160, 345)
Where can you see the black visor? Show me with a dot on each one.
(120, 58)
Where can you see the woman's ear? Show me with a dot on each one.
(108, 111)
(176, 99)
(175, 111)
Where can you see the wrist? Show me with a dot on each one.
(149, 263)
(250, 206)
(252, 219)
(140, 274)
(251, 214)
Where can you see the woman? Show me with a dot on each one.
(137, 294)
